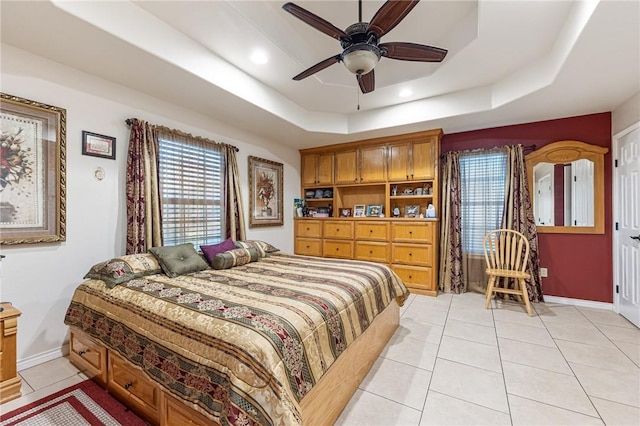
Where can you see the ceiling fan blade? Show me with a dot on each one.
(390, 15)
(367, 81)
(316, 22)
(412, 52)
(317, 67)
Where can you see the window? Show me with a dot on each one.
(483, 182)
(191, 187)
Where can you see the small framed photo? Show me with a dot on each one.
(358, 210)
(345, 212)
(412, 211)
(98, 145)
(374, 210)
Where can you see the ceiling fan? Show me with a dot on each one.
(361, 42)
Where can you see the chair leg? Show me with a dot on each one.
(492, 280)
(525, 295)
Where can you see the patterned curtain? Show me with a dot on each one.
(144, 217)
(234, 218)
(451, 275)
(518, 215)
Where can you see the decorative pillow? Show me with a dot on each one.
(210, 251)
(262, 247)
(124, 268)
(236, 257)
(179, 260)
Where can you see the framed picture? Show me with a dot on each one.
(411, 211)
(358, 210)
(345, 212)
(98, 145)
(265, 192)
(374, 210)
(32, 171)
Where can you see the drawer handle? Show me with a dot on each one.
(337, 229)
(410, 232)
(308, 229)
(370, 230)
(308, 246)
(410, 254)
(370, 251)
(82, 353)
(337, 248)
(128, 385)
(410, 276)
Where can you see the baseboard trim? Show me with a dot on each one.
(43, 357)
(579, 302)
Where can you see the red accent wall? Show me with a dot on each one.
(580, 265)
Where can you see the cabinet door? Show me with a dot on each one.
(373, 166)
(346, 167)
(422, 156)
(399, 162)
(309, 169)
(324, 169)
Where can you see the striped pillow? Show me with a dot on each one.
(262, 247)
(236, 257)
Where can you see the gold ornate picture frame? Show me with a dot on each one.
(32, 171)
(265, 193)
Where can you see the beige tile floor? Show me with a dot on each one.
(452, 362)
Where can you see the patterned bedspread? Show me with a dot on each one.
(246, 344)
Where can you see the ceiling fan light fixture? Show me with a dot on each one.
(360, 58)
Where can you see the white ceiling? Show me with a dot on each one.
(509, 62)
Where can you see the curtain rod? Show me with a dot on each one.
(129, 122)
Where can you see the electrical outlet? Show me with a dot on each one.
(544, 272)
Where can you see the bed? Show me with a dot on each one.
(284, 340)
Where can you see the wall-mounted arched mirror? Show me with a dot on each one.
(566, 183)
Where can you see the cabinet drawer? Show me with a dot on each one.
(338, 229)
(309, 228)
(338, 248)
(413, 254)
(136, 388)
(177, 413)
(89, 356)
(414, 276)
(373, 252)
(308, 247)
(372, 231)
(413, 231)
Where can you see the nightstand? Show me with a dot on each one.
(10, 382)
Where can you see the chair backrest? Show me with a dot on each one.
(506, 249)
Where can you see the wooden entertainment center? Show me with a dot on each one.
(396, 174)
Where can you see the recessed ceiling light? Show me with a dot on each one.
(259, 57)
(404, 93)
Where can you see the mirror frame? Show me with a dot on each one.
(561, 152)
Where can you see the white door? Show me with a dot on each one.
(582, 193)
(627, 217)
(544, 197)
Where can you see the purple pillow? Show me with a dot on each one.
(210, 251)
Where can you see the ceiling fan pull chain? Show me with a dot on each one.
(358, 92)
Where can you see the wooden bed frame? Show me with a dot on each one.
(321, 406)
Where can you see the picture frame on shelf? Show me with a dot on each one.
(374, 210)
(412, 210)
(97, 145)
(359, 210)
(345, 212)
(33, 172)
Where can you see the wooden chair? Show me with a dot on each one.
(507, 253)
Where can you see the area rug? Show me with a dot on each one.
(85, 403)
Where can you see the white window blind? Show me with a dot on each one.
(191, 190)
(483, 186)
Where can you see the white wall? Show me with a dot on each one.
(40, 279)
(626, 114)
